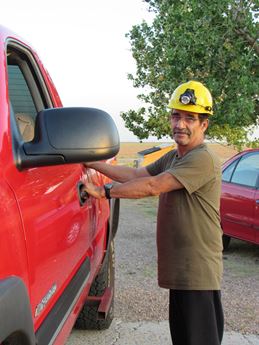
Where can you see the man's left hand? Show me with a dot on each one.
(95, 191)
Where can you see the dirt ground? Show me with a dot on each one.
(138, 296)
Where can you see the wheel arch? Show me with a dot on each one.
(15, 312)
(112, 227)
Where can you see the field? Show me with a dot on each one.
(129, 151)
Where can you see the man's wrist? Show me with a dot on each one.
(107, 190)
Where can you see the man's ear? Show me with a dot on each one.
(205, 124)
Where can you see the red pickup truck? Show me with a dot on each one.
(56, 247)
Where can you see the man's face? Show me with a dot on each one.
(186, 127)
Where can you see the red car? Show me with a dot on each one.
(240, 197)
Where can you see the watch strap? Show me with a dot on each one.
(107, 189)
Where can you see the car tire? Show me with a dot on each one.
(88, 317)
(226, 242)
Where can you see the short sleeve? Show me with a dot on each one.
(161, 164)
(194, 170)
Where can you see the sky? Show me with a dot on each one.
(83, 46)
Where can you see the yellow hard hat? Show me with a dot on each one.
(192, 96)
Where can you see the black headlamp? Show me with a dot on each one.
(188, 97)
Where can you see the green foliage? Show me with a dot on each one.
(214, 42)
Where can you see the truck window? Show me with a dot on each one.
(27, 92)
(19, 93)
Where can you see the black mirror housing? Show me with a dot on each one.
(70, 135)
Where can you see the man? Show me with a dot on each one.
(188, 182)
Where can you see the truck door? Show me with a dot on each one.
(58, 230)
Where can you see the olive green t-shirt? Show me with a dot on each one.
(189, 235)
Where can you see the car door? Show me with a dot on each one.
(238, 198)
(256, 217)
(58, 229)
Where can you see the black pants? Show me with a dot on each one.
(196, 317)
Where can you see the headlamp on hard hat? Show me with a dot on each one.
(188, 97)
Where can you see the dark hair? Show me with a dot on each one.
(203, 117)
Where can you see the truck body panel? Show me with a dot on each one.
(51, 241)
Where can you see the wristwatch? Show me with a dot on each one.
(107, 188)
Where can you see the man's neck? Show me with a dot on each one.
(183, 149)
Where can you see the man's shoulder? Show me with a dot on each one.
(215, 158)
(204, 151)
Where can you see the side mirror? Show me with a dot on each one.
(69, 135)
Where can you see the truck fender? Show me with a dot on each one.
(15, 312)
(114, 216)
(112, 227)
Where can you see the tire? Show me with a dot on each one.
(88, 317)
(226, 242)
(115, 208)
(15, 339)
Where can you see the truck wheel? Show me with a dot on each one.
(226, 241)
(88, 317)
(15, 339)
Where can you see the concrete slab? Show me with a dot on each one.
(144, 333)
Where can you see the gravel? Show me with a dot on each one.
(138, 296)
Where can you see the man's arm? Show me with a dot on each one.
(138, 188)
(118, 173)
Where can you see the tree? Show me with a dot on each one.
(214, 42)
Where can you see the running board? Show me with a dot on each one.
(103, 302)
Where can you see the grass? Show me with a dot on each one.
(149, 272)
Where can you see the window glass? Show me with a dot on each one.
(19, 94)
(247, 170)
(227, 173)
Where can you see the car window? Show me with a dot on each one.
(27, 92)
(227, 173)
(247, 170)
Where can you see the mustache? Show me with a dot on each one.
(182, 131)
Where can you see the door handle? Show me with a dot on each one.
(257, 201)
(82, 195)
